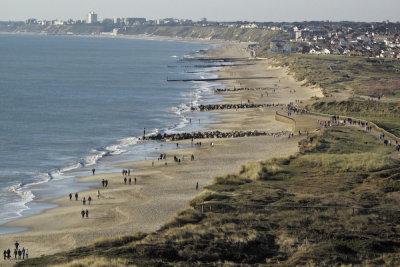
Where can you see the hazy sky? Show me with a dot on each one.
(221, 10)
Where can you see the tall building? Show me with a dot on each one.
(91, 18)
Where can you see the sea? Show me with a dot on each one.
(69, 104)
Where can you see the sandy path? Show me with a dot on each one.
(162, 190)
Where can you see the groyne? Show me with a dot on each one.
(232, 106)
(211, 134)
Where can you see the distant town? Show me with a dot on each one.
(372, 40)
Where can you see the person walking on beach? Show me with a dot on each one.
(98, 194)
(83, 200)
(26, 253)
(135, 180)
(70, 196)
(125, 180)
(5, 254)
(129, 172)
(89, 199)
(16, 244)
(177, 145)
(15, 253)
(102, 182)
(23, 253)
(197, 186)
(87, 214)
(130, 180)
(93, 171)
(106, 183)
(19, 254)
(83, 214)
(8, 253)
(76, 196)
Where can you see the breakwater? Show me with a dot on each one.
(211, 134)
(232, 106)
(242, 89)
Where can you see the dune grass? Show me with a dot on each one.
(335, 203)
(94, 262)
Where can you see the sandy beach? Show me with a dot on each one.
(163, 189)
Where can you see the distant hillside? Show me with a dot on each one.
(212, 33)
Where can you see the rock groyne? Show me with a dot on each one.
(211, 134)
(232, 106)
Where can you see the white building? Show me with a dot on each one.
(91, 18)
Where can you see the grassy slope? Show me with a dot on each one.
(336, 74)
(296, 210)
(351, 79)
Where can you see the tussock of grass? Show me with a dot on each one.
(345, 163)
(230, 180)
(118, 241)
(95, 262)
(207, 195)
(185, 216)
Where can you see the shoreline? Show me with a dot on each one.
(71, 171)
(162, 190)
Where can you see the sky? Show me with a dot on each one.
(219, 10)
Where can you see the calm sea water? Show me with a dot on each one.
(68, 104)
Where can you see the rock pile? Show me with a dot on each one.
(211, 134)
(239, 89)
(231, 106)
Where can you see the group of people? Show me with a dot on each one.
(104, 182)
(126, 172)
(89, 199)
(129, 180)
(76, 196)
(18, 253)
(83, 213)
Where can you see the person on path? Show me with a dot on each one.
(15, 253)
(87, 214)
(106, 183)
(76, 196)
(197, 186)
(93, 171)
(125, 180)
(98, 194)
(19, 254)
(83, 200)
(70, 196)
(130, 180)
(5, 254)
(8, 253)
(16, 244)
(89, 199)
(135, 180)
(23, 253)
(83, 213)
